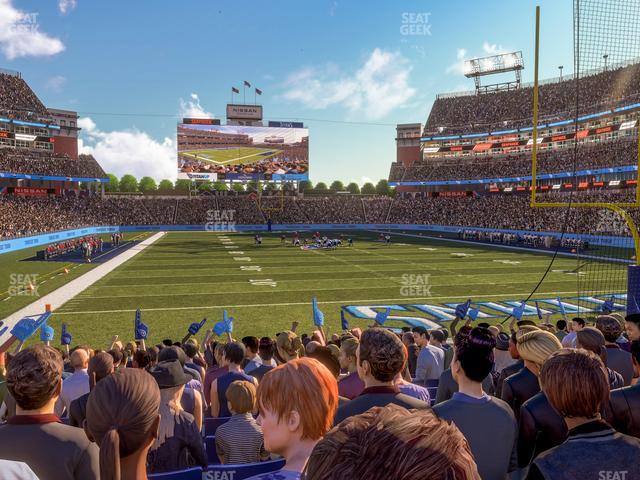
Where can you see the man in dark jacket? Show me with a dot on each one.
(625, 402)
(380, 357)
(35, 435)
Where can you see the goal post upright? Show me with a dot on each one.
(618, 208)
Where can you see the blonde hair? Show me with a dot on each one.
(536, 346)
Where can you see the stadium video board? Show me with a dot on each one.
(237, 152)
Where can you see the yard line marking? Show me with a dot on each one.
(318, 289)
(376, 301)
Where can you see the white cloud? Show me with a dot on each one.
(193, 109)
(128, 151)
(375, 89)
(461, 55)
(65, 6)
(55, 83)
(20, 34)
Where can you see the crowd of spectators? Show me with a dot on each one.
(535, 402)
(514, 108)
(20, 216)
(588, 156)
(45, 162)
(17, 97)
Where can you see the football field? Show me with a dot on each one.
(231, 156)
(184, 277)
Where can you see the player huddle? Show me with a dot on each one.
(315, 242)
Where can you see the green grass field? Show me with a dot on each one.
(184, 277)
(231, 156)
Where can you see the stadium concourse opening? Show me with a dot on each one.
(197, 308)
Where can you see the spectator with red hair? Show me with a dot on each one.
(293, 424)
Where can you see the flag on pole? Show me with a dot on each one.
(235, 90)
(538, 311)
(562, 310)
(344, 321)
(247, 84)
(258, 91)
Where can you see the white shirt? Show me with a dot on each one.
(74, 387)
(569, 340)
(12, 470)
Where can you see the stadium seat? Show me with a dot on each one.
(211, 424)
(194, 473)
(242, 471)
(433, 391)
(432, 383)
(210, 447)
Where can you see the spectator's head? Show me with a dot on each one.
(632, 325)
(169, 374)
(153, 353)
(251, 344)
(561, 325)
(167, 342)
(79, 359)
(381, 356)
(218, 352)
(266, 349)
(311, 346)
(592, 339)
(348, 353)
(407, 339)
(437, 337)
(130, 348)
(141, 359)
(190, 350)
(172, 353)
(233, 353)
(241, 397)
(575, 382)
(34, 378)
(577, 324)
(421, 336)
(328, 359)
(288, 346)
(404, 444)
(610, 327)
(123, 418)
(291, 421)
(100, 366)
(535, 347)
(117, 356)
(473, 358)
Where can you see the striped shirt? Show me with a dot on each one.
(240, 440)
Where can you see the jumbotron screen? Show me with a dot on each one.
(230, 152)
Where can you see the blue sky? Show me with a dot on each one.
(131, 69)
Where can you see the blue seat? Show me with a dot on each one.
(211, 424)
(210, 447)
(194, 473)
(242, 471)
